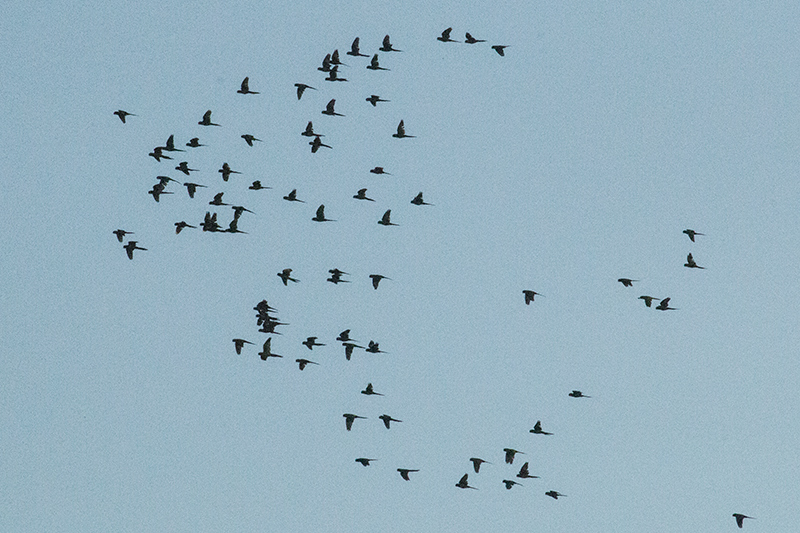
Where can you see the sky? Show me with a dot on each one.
(577, 158)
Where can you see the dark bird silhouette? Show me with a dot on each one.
(379, 170)
(310, 342)
(266, 351)
(401, 132)
(238, 344)
(364, 461)
(510, 482)
(337, 272)
(207, 119)
(191, 188)
(500, 49)
(233, 226)
(249, 139)
(648, 300)
(292, 197)
(217, 199)
(362, 195)
(316, 143)
(374, 64)
(373, 347)
(184, 167)
(336, 278)
(270, 325)
(386, 219)
(477, 462)
(691, 233)
(690, 262)
(286, 276)
(524, 473)
(664, 305)
(157, 191)
(194, 142)
(355, 49)
(537, 429)
(510, 454)
(445, 36)
(130, 246)
(210, 222)
(349, 418)
(333, 74)
(239, 209)
(309, 131)
(304, 362)
(245, 89)
(739, 516)
(405, 471)
(120, 233)
(578, 394)
(376, 279)
(179, 226)
(345, 336)
(374, 99)
(348, 349)
(387, 46)
(320, 216)
(326, 64)
(387, 420)
(553, 494)
(370, 391)
(329, 109)
(122, 114)
(226, 171)
(462, 483)
(626, 282)
(158, 154)
(472, 40)
(335, 58)
(419, 201)
(164, 180)
(529, 296)
(256, 186)
(170, 146)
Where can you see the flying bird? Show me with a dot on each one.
(309, 131)
(194, 142)
(256, 186)
(500, 49)
(122, 114)
(217, 199)
(691, 233)
(349, 418)
(266, 351)
(348, 349)
(157, 191)
(387, 46)
(477, 462)
(170, 146)
(345, 336)
(386, 219)
(292, 197)
(326, 64)
(191, 188)
(336, 278)
(376, 279)
(316, 143)
(354, 49)
(373, 347)
(648, 300)
(286, 276)
(120, 233)
(210, 222)
(529, 296)
(362, 195)
(226, 171)
(179, 226)
(375, 65)
(626, 282)
(510, 482)
(238, 210)
(245, 89)
(304, 362)
(462, 483)
(130, 246)
(445, 36)
(379, 170)
(690, 262)
(374, 99)
(364, 461)
(537, 429)
(329, 109)
(333, 75)
(472, 40)
(401, 132)
(664, 305)
(578, 394)
(370, 391)
(184, 167)
(524, 473)
(419, 201)
(387, 419)
(310, 342)
(158, 154)
(250, 138)
(553, 494)
(320, 216)
(164, 180)
(739, 516)
(239, 344)
(510, 454)
(207, 120)
(405, 471)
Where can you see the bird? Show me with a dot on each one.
(158, 154)
(553, 494)
(691, 233)
(164, 180)
(310, 342)
(405, 471)
(648, 300)
(245, 89)
(292, 197)
(184, 167)
(419, 201)
(510, 454)
(238, 210)
(510, 483)
(256, 186)
(337, 278)
(364, 461)
(362, 195)
(578, 394)
(179, 226)
(529, 296)
(374, 99)
(462, 483)
(376, 279)
(316, 143)
(326, 64)
(369, 391)
(269, 327)
(130, 246)
(626, 282)
(207, 120)
(329, 109)
(218, 199)
(690, 262)
(500, 48)
(250, 138)
(304, 362)
(194, 142)
(348, 349)
(375, 65)
(379, 170)
(387, 46)
(210, 222)
(122, 114)
(157, 191)
(537, 429)
(335, 58)
(286, 276)
(469, 39)
(320, 216)
(664, 305)
(349, 418)
(309, 131)
(354, 49)
(333, 74)
(266, 351)
(524, 474)
(373, 347)
(740, 517)
(477, 462)
(191, 188)
(233, 227)
(120, 233)
(226, 171)
(170, 146)
(239, 344)
(337, 272)
(401, 132)
(386, 219)
(445, 36)
(345, 336)
(387, 419)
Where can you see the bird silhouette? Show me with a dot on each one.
(740, 518)
(309, 131)
(524, 473)
(239, 344)
(310, 342)
(333, 74)
(510, 454)
(379, 170)
(691, 233)
(401, 132)
(158, 154)
(179, 226)
(690, 262)
(320, 216)
(218, 199)
(122, 114)
(370, 391)
(329, 109)
(419, 201)
(170, 146)
(500, 49)
(226, 171)
(553, 494)
(250, 138)
(239, 209)
(194, 142)
(349, 418)
(510, 482)
(477, 462)
(233, 226)
(664, 305)
(529, 296)
(326, 64)
(374, 64)
(348, 349)
(207, 119)
(304, 362)
(387, 46)
(164, 180)
(245, 89)
(445, 36)
(286, 276)
(469, 39)
(364, 461)
(184, 167)
(191, 188)
(386, 219)
(120, 233)
(316, 143)
(537, 429)
(462, 483)
(387, 420)
(362, 195)
(336, 278)
(130, 246)
(374, 99)
(405, 471)
(578, 394)
(355, 49)
(266, 351)
(256, 186)
(157, 191)
(292, 197)
(648, 300)
(626, 282)
(210, 222)
(373, 347)
(345, 336)
(376, 279)
(335, 58)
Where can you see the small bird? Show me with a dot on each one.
(690, 262)
(537, 429)
(191, 188)
(333, 75)
(355, 49)
(648, 300)
(238, 344)
(386, 219)
(524, 474)
(387, 419)
(401, 132)
(226, 171)
(553, 494)
(664, 305)
(529, 296)
(348, 349)
(510, 454)
(375, 65)
(691, 233)
(509, 482)
(739, 516)
(292, 197)
(462, 483)
(336, 278)
(445, 36)
(405, 471)
(164, 180)
(184, 167)
(304, 362)
(210, 222)
(329, 109)
(218, 199)
(309, 131)
(349, 418)
(179, 226)
(379, 170)
(170, 146)
(310, 342)
(345, 336)
(245, 89)
(120, 233)
(477, 462)
(500, 49)
(256, 186)
(335, 58)
(419, 201)
(316, 143)
(266, 351)
(364, 461)
(250, 138)
(362, 195)
(374, 99)
(194, 142)
(373, 347)
(376, 279)
(578, 394)
(130, 246)
(239, 209)
(157, 191)
(286, 276)
(472, 40)
(387, 46)
(337, 272)
(122, 114)
(626, 282)
(207, 119)
(269, 327)
(158, 154)
(369, 391)
(320, 216)
(326, 64)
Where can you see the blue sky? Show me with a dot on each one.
(576, 159)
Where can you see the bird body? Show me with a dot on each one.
(120, 233)
(691, 234)
(184, 167)
(740, 519)
(387, 420)
(207, 119)
(386, 219)
(123, 114)
(379, 170)
(310, 342)
(245, 88)
(386, 46)
(445, 36)
(690, 262)
(286, 276)
(627, 282)
(194, 142)
(374, 99)
(226, 171)
(648, 300)
(355, 49)
(349, 418)
(524, 473)
(266, 351)
(304, 362)
(419, 201)
(374, 64)
(370, 391)
(463, 483)
(500, 49)
(469, 39)
(329, 109)
(256, 186)
(320, 215)
(376, 279)
(578, 394)
(250, 138)
(401, 132)
(316, 143)
(362, 195)
(554, 494)
(179, 226)
(309, 131)
(405, 471)
(529, 295)
(364, 461)
(130, 246)
(170, 146)
(239, 344)
(664, 305)
(510, 482)
(537, 429)
(510, 454)
(292, 197)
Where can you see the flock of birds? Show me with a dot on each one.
(267, 322)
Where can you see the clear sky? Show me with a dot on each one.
(576, 159)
